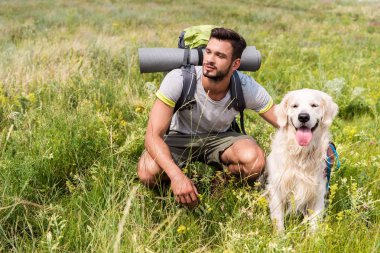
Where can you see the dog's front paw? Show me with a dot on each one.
(280, 228)
(314, 224)
(278, 225)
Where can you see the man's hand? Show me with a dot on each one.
(330, 153)
(184, 190)
(159, 120)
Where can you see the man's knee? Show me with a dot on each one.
(246, 158)
(147, 169)
(253, 161)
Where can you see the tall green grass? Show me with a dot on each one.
(74, 107)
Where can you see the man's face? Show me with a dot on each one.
(217, 59)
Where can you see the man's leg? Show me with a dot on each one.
(330, 154)
(148, 170)
(245, 158)
(182, 149)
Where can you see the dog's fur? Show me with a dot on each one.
(296, 180)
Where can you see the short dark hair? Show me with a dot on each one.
(237, 41)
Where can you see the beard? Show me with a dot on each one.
(219, 75)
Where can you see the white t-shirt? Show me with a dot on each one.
(209, 116)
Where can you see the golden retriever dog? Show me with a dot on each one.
(295, 167)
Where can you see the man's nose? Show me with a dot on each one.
(209, 58)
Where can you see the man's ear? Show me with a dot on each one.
(236, 64)
(330, 109)
(280, 111)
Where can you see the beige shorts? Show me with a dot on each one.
(205, 148)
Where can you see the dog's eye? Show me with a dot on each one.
(295, 106)
(314, 105)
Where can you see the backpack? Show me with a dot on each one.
(196, 37)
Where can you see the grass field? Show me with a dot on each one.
(74, 107)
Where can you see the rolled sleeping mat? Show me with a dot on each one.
(166, 59)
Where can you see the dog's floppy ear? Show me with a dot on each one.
(280, 111)
(330, 109)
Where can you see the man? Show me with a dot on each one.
(203, 133)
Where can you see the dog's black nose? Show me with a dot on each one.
(303, 117)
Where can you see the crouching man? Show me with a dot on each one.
(204, 132)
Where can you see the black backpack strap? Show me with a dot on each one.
(186, 100)
(186, 57)
(188, 91)
(200, 55)
(236, 91)
(238, 101)
(242, 122)
(181, 40)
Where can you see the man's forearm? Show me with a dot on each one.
(160, 152)
(270, 116)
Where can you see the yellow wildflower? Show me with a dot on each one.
(339, 216)
(123, 123)
(31, 97)
(182, 229)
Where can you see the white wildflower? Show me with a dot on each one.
(151, 88)
(357, 92)
(273, 245)
(49, 237)
(335, 86)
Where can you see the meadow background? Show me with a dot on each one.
(74, 107)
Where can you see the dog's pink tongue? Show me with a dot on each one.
(303, 136)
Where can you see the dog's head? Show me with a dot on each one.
(306, 110)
